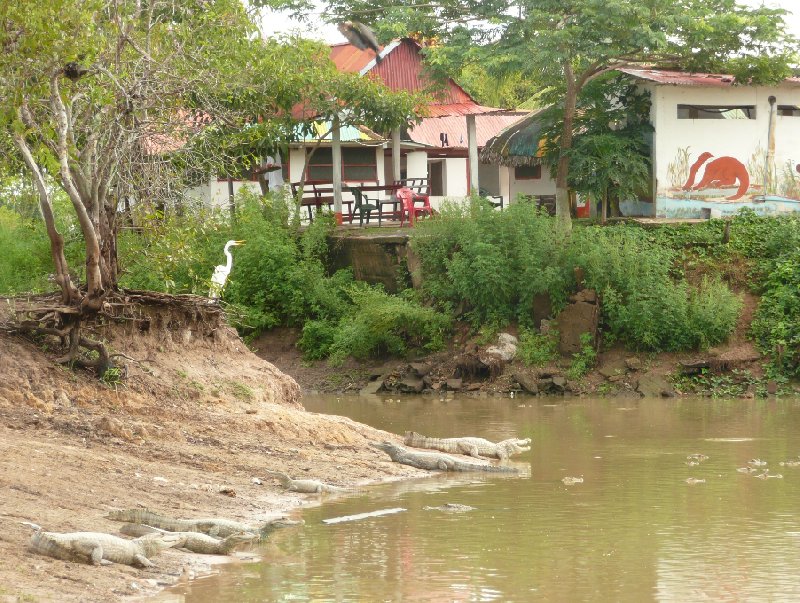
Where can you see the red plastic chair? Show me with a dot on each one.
(408, 199)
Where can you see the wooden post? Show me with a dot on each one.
(396, 155)
(231, 199)
(769, 184)
(337, 169)
(472, 145)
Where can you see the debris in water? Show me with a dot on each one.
(362, 515)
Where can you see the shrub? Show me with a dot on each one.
(583, 361)
(776, 326)
(644, 305)
(495, 262)
(536, 349)
(380, 324)
(25, 259)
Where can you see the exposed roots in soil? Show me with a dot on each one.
(76, 334)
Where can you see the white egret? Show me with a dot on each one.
(222, 271)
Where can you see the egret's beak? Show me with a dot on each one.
(238, 242)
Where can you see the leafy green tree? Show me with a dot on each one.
(610, 156)
(565, 44)
(111, 100)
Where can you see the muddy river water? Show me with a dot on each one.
(633, 530)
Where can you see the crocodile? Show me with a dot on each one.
(306, 486)
(219, 528)
(450, 508)
(98, 548)
(476, 447)
(194, 542)
(432, 461)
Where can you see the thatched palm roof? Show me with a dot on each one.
(518, 144)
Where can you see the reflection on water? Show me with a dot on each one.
(633, 530)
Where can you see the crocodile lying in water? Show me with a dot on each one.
(219, 528)
(477, 447)
(98, 548)
(433, 461)
(306, 486)
(194, 542)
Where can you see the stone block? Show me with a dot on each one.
(575, 320)
(527, 382)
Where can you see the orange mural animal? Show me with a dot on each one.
(722, 172)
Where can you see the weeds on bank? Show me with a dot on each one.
(583, 361)
(537, 349)
(734, 384)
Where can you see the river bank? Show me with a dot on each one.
(185, 433)
(191, 428)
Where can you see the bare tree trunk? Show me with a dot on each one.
(69, 292)
(563, 206)
(604, 208)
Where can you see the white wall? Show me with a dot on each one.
(541, 186)
(454, 177)
(417, 164)
(215, 192)
(745, 140)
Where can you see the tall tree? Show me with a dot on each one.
(109, 98)
(565, 44)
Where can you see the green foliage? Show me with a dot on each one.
(735, 384)
(644, 304)
(278, 278)
(776, 326)
(25, 260)
(583, 361)
(380, 324)
(495, 263)
(766, 247)
(536, 349)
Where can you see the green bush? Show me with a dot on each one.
(380, 324)
(583, 361)
(25, 258)
(494, 262)
(536, 349)
(776, 326)
(497, 262)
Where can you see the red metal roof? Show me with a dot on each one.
(682, 78)
(350, 59)
(400, 69)
(455, 127)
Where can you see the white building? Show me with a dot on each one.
(717, 146)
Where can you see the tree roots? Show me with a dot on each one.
(70, 329)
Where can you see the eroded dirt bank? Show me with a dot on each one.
(196, 419)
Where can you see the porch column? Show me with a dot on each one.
(396, 154)
(337, 169)
(472, 145)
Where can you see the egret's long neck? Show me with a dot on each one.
(228, 255)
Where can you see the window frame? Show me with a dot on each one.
(345, 165)
(536, 176)
(707, 112)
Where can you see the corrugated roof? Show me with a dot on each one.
(455, 127)
(681, 78)
(400, 69)
(350, 59)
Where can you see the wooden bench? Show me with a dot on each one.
(316, 196)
